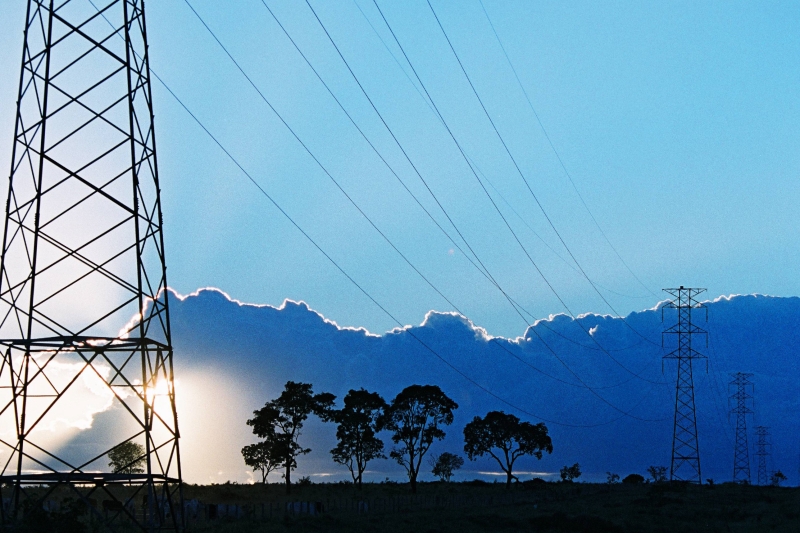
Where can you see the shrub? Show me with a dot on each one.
(570, 473)
(657, 473)
(633, 479)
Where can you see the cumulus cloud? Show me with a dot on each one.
(252, 350)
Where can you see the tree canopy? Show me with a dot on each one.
(445, 464)
(127, 458)
(282, 419)
(505, 438)
(356, 433)
(265, 456)
(415, 417)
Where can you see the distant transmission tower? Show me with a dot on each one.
(84, 322)
(685, 465)
(762, 451)
(741, 453)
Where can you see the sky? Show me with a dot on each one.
(678, 125)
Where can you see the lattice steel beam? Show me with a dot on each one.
(685, 463)
(83, 299)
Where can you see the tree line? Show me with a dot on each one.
(415, 418)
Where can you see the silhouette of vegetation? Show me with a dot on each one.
(777, 478)
(65, 520)
(611, 478)
(282, 419)
(356, 433)
(127, 458)
(445, 464)
(505, 438)
(657, 473)
(570, 473)
(633, 479)
(265, 456)
(415, 417)
(475, 506)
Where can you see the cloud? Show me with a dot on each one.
(231, 357)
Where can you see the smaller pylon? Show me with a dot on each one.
(762, 451)
(741, 452)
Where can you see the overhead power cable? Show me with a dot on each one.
(500, 213)
(483, 175)
(522, 175)
(489, 196)
(316, 159)
(354, 282)
(261, 94)
(349, 198)
(482, 268)
(558, 157)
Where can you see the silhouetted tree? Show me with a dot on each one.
(658, 473)
(265, 456)
(633, 479)
(570, 473)
(505, 438)
(415, 417)
(356, 433)
(284, 417)
(445, 464)
(777, 478)
(127, 458)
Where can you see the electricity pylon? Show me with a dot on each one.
(741, 453)
(84, 321)
(685, 464)
(762, 451)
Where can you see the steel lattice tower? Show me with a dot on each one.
(741, 453)
(762, 451)
(685, 464)
(83, 303)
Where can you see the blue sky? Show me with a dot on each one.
(678, 124)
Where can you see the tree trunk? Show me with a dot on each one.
(413, 479)
(288, 478)
(508, 479)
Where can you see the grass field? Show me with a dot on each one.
(473, 507)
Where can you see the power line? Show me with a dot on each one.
(526, 363)
(359, 287)
(486, 178)
(317, 161)
(558, 156)
(522, 175)
(522, 246)
(482, 269)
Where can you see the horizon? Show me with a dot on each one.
(415, 183)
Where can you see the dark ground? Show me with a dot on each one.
(473, 507)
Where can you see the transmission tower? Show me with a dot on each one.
(741, 453)
(685, 464)
(83, 305)
(762, 451)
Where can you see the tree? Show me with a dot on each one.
(777, 478)
(633, 479)
(283, 419)
(127, 458)
(611, 478)
(445, 464)
(505, 438)
(265, 456)
(658, 473)
(570, 473)
(415, 417)
(356, 433)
